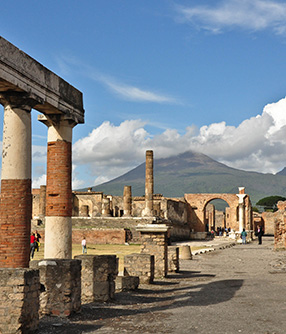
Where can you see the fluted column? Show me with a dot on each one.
(42, 202)
(58, 224)
(149, 185)
(127, 201)
(16, 198)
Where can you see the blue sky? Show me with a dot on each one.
(171, 76)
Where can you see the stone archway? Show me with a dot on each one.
(238, 215)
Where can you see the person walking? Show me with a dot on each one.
(243, 236)
(83, 244)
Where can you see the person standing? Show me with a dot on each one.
(38, 237)
(243, 236)
(32, 245)
(83, 244)
(260, 233)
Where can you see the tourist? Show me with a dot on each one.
(83, 243)
(243, 236)
(32, 245)
(260, 233)
(38, 237)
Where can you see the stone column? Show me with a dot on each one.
(241, 208)
(127, 201)
(105, 209)
(16, 198)
(42, 202)
(149, 185)
(58, 230)
(241, 217)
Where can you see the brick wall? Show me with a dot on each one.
(15, 218)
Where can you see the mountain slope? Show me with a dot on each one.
(196, 173)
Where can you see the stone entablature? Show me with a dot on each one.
(21, 73)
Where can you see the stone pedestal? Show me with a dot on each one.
(61, 279)
(126, 283)
(141, 265)
(19, 295)
(186, 253)
(173, 259)
(154, 242)
(98, 273)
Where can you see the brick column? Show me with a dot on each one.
(58, 225)
(16, 198)
(149, 185)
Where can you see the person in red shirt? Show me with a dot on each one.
(33, 241)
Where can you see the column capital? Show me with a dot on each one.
(56, 120)
(18, 100)
(60, 127)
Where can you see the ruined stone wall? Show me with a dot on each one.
(96, 236)
(280, 230)
(36, 202)
(93, 201)
(268, 221)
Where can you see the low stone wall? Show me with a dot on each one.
(96, 236)
(141, 265)
(98, 273)
(61, 280)
(19, 309)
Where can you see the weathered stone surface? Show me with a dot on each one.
(22, 73)
(19, 295)
(173, 259)
(61, 279)
(141, 265)
(98, 275)
(126, 283)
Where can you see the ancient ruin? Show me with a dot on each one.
(25, 84)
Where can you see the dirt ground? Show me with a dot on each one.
(241, 289)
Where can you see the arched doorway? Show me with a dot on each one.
(216, 212)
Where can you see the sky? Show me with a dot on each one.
(166, 75)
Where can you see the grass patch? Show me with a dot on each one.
(94, 249)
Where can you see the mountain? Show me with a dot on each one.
(192, 172)
(282, 172)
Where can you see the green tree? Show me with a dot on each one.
(270, 203)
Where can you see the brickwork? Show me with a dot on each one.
(15, 222)
(59, 194)
(96, 236)
(19, 309)
(61, 279)
(141, 265)
(98, 276)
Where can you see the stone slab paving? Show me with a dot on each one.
(240, 289)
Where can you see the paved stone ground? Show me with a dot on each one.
(241, 289)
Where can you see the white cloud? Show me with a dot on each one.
(133, 93)
(257, 144)
(254, 15)
(39, 181)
